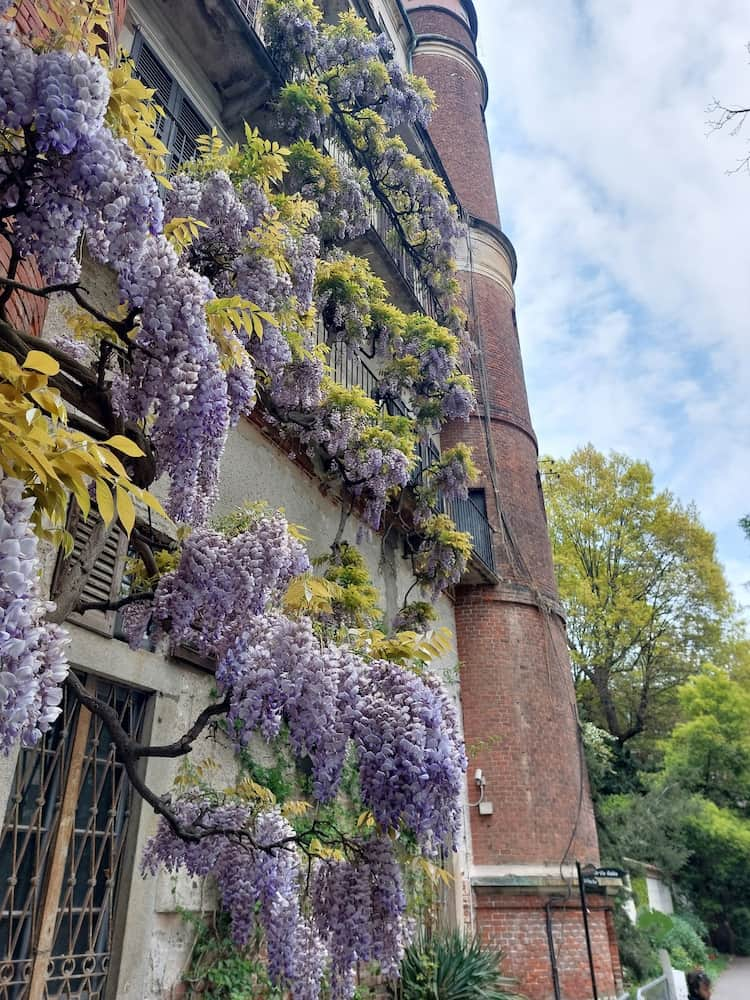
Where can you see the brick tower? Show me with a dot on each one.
(516, 682)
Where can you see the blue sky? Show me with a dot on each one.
(633, 240)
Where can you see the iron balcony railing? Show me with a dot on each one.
(468, 517)
(252, 11)
(382, 218)
(402, 256)
(350, 368)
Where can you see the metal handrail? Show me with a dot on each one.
(657, 989)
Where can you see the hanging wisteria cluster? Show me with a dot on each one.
(218, 583)
(357, 905)
(33, 663)
(89, 183)
(348, 79)
(356, 442)
(277, 670)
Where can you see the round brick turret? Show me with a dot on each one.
(516, 682)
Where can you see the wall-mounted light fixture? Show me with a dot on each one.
(485, 808)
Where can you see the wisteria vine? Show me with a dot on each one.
(234, 287)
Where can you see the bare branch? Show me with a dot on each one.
(120, 326)
(141, 597)
(184, 744)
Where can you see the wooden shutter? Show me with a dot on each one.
(153, 75)
(105, 579)
(181, 124)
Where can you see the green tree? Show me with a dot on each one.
(718, 876)
(646, 600)
(709, 752)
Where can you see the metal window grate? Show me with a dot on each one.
(60, 854)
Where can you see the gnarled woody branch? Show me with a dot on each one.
(130, 752)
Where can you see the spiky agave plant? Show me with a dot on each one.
(451, 966)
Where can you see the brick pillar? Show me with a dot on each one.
(516, 684)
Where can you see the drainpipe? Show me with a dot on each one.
(552, 952)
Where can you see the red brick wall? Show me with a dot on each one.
(459, 132)
(25, 312)
(516, 684)
(512, 434)
(517, 700)
(428, 21)
(517, 926)
(29, 22)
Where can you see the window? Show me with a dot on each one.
(479, 499)
(61, 850)
(181, 124)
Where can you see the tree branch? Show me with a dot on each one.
(184, 744)
(123, 602)
(120, 326)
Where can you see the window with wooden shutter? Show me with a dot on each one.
(104, 581)
(181, 124)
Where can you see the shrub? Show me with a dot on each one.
(676, 935)
(640, 961)
(450, 967)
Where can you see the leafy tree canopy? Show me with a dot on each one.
(709, 752)
(646, 600)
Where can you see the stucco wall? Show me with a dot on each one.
(152, 942)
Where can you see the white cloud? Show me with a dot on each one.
(634, 257)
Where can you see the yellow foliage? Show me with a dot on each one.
(260, 159)
(319, 850)
(403, 647)
(311, 594)
(251, 791)
(181, 231)
(38, 448)
(85, 328)
(365, 820)
(234, 315)
(434, 872)
(74, 24)
(133, 115)
(294, 809)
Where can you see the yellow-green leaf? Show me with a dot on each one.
(125, 510)
(38, 361)
(125, 445)
(104, 501)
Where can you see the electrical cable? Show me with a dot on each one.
(543, 604)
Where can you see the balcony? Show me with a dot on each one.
(384, 233)
(350, 368)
